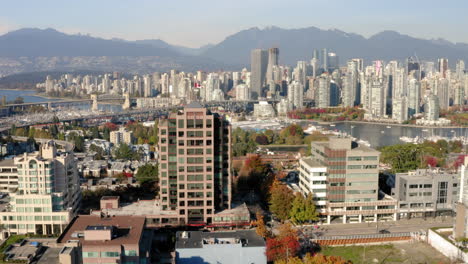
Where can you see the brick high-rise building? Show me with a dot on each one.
(194, 163)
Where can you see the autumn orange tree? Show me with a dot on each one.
(314, 259)
(284, 245)
(261, 228)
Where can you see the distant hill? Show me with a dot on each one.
(298, 44)
(32, 49)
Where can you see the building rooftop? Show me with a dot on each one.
(7, 163)
(50, 256)
(194, 104)
(129, 229)
(140, 208)
(110, 198)
(311, 162)
(197, 239)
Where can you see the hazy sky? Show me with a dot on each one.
(197, 22)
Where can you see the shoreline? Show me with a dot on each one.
(376, 123)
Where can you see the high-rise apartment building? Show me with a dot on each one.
(121, 136)
(296, 94)
(323, 96)
(48, 194)
(194, 163)
(431, 109)
(258, 68)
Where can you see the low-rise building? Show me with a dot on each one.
(121, 136)
(343, 178)
(426, 192)
(241, 246)
(155, 216)
(106, 239)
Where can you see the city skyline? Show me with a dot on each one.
(197, 24)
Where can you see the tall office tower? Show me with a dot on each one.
(400, 109)
(323, 96)
(49, 84)
(377, 97)
(442, 91)
(165, 84)
(157, 81)
(460, 70)
(48, 194)
(413, 65)
(242, 92)
(431, 108)
(296, 94)
(350, 84)
(324, 59)
(195, 163)
(258, 67)
(315, 54)
(344, 177)
(273, 55)
(333, 61)
(315, 65)
(442, 66)
(147, 86)
(458, 93)
(414, 96)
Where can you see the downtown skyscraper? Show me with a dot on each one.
(258, 68)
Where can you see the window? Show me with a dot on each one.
(130, 253)
(354, 158)
(442, 192)
(90, 254)
(110, 254)
(413, 186)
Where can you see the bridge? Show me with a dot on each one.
(62, 103)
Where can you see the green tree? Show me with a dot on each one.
(100, 153)
(124, 151)
(147, 173)
(280, 201)
(303, 209)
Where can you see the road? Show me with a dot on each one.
(68, 146)
(403, 225)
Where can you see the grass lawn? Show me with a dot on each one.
(398, 253)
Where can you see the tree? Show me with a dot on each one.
(303, 210)
(124, 151)
(261, 229)
(314, 259)
(147, 173)
(280, 201)
(100, 153)
(285, 245)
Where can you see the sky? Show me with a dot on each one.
(194, 23)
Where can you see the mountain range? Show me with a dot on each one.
(31, 49)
